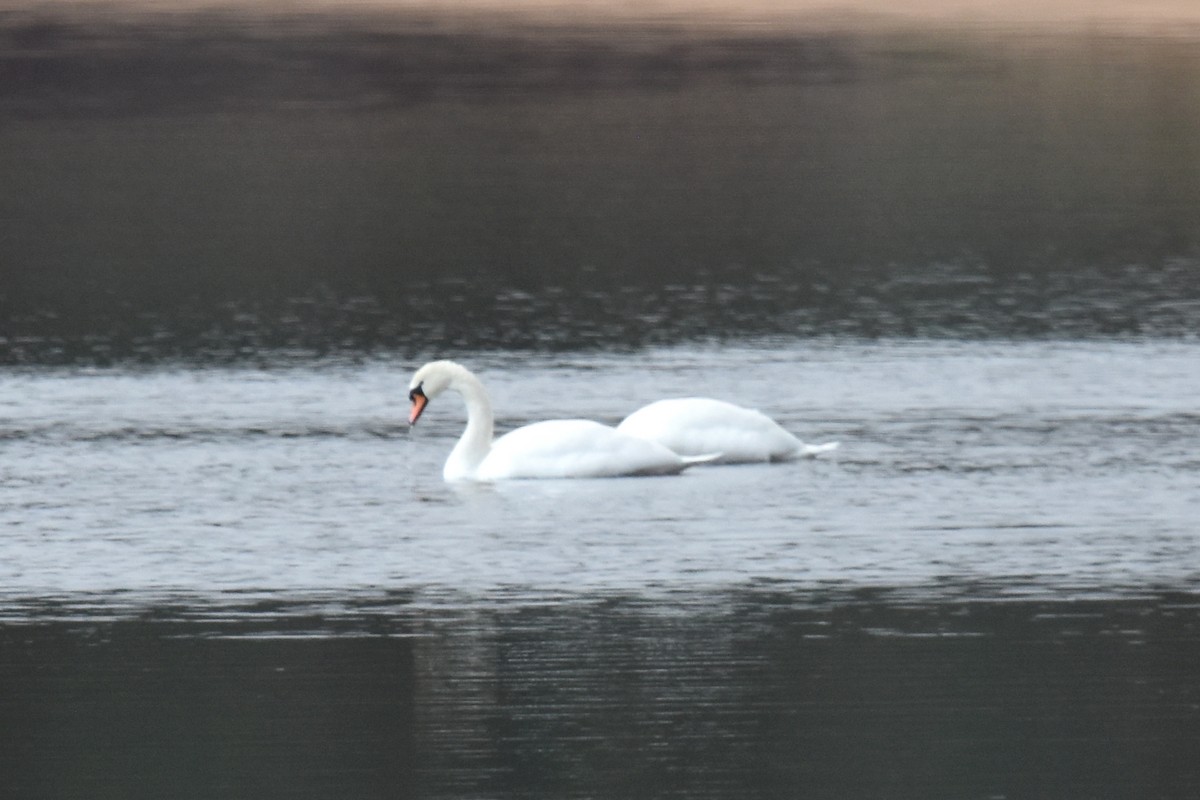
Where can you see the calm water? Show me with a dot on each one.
(228, 569)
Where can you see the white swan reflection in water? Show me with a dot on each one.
(663, 438)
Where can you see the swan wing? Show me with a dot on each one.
(575, 448)
(696, 425)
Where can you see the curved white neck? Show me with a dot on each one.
(476, 441)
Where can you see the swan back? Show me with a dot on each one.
(695, 425)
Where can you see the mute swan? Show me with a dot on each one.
(560, 448)
(690, 425)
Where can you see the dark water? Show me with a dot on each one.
(213, 186)
(228, 569)
(746, 693)
(253, 582)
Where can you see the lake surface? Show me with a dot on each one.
(197, 186)
(254, 582)
(224, 479)
(968, 254)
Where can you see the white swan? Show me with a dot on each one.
(691, 425)
(560, 448)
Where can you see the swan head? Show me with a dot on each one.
(428, 382)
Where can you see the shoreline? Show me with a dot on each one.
(99, 59)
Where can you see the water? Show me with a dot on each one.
(254, 581)
(216, 186)
(965, 251)
(307, 479)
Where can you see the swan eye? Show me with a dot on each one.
(416, 392)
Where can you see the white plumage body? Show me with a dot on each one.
(575, 448)
(561, 448)
(695, 425)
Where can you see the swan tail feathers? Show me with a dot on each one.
(707, 458)
(810, 450)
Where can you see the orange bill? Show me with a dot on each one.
(419, 401)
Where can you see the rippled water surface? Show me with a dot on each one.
(1052, 466)
(255, 582)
